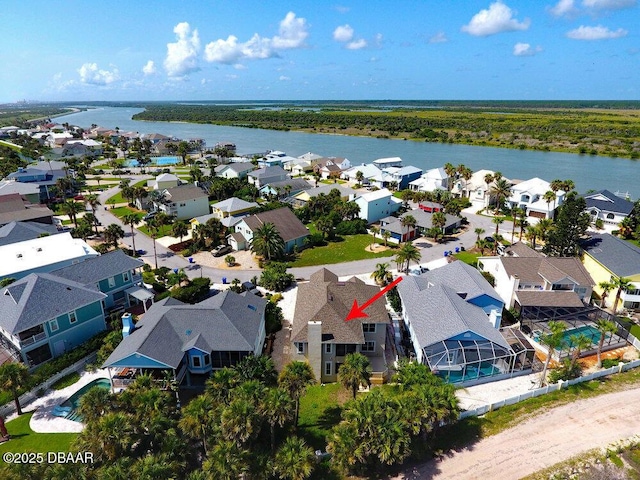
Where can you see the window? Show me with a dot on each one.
(112, 282)
(343, 349)
(207, 359)
(369, 327)
(72, 317)
(328, 348)
(368, 347)
(53, 325)
(195, 361)
(125, 276)
(610, 216)
(299, 348)
(328, 366)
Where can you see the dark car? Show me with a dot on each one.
(221, 250)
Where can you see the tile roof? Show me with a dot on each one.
(92, 270)
(617, 255)
(329, 301)
(288, 225)
(225, 322)
(39, 297)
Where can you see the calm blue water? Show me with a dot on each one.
(157, 161)
(589, 331)
(486, 370)
(586, 171)
(74, 400)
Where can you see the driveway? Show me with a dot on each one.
(542, 441)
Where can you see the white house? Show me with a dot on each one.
(163, 181)
(369, 170)
(608, 207)
(184, 202)
(434, 179)
(234, 170)
(476, 189)
(528, 195)
(377, 205)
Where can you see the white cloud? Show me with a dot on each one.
(525, 50)
(342, 9)
(357, 44)
(90, 74)
(608, 4)
(149, 68)
(563, 8)
(284, 78)
(595, 33)
(343, 33)
(497, 18)
(182, 56)
(439, 37)
(292, 34)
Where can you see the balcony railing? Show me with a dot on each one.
(32, 339)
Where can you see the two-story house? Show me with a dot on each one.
(608, 207)
(43, 316)
(538, 286)
(234, 170)
(261, 177)
(193, 340)
(529, 196)
(290, 228)
(322, 336)
(377, 205)
(434, 179)
(183, 202)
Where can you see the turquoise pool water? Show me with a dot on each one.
(157, 161)
(74, 400)
(487, 369)
(587, 330)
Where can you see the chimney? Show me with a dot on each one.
(314, 352)
(127, 325)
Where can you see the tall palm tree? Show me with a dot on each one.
(579, 342)
(295, 378)
(277, 407)
(72, 208)
(267, 242)
(478, 231)
(153, 229)
(604, 326)
(501, 189)
(179, 229)
(374, 231)
(606, 288)
(533, 233)
(568, 185)
(295, 460)
(132, 219)
(14, 377)
(226, 461)
(355, 371)
(407, 253)
(93, 201)
(113, 233)
(381, 274)
(522, 221)
(408, 222)
(488, 179)
(550, 196)
(621, 284)
(450, 170)
(553, 340)
(498, 221)
(386, 235)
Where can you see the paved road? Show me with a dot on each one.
(168, 259)
(542, 441)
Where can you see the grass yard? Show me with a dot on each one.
(65, 381)
(468, 257)
(118, 198)
(351, 247)
(122, 211)
(162, 232)
(23, 439)
(320, 409)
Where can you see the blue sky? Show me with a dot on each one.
(74, 50)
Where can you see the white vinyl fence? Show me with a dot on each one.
(30, 396)
(621, 367)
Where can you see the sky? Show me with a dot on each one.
(74, 50)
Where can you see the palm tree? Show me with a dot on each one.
(325, 226)
(408, 222)
(439, 220)
(550, 196)
(498, 221)
(179, 229)
(267, 242)
(355, 371)
(153, 229)
(406, 255)
(501, 190)
(277, 407)
(295, 378)
(381, 274)
(226, 461)
(359, 177)
(374, 231)
(488, 178)
(478, 231)
(604, 326)
(568, 185)
(606, 288)
(132, 219)
(113, 233)
(386, 235)
(621, 284)
(14, 377)
(197, 419)
(554, 340)
(533, 233)
(295, 460)
(579, 343)
(72, 208)
(522, 222)
(93, 201)
(450, 170)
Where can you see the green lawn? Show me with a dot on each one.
(65, 381)
(23, 439)
(468, 257)
(162, 232)
(118, 198)
(122, 211)
(351, 247)
(320, 409)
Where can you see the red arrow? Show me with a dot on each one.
(357, 311)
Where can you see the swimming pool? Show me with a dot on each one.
(157, 161)
(588, 331)
(487, 369)
(73, 401)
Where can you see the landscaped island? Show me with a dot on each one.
(594, 128)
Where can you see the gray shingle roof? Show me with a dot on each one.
(233, 204)
(619, 256)
(463, 278)
(553, 269)
(327, 300)
(98, 268)
(15, 232)
(296, 184)
(288, 225)
(181, 193)
(225, 322)
(267, 172)
(548, 298)
(39, 297)
(613, 203)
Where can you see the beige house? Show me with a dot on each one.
(322, 336)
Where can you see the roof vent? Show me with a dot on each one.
(39, 249)
(341, 284)
(19, 255)
(330, 298)
(188, 332)
(252, 307)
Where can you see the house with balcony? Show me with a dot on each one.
(453, 318)
(44, 316)
(44, 175)
(320, 334)
(528, 195)
(607, 258)
(476, 189)
(608, 207)
(368, 170)
(115, 274)
(190, 340)
(540, 287)
(434, 179)
(424, 223)
(183, 202)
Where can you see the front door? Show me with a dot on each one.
(58, 348)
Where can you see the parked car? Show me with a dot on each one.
(418, 270)
(221, 250)
(149, 216)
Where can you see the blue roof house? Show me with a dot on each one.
(43, 316)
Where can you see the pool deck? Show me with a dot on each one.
(43, 420)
